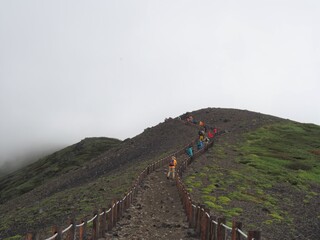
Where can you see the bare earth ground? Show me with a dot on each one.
(156, 213)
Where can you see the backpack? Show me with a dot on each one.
(171, 163)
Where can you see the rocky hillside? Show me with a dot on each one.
(258, 173)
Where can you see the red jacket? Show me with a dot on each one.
(210, 134)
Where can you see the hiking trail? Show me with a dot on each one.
(156, 212)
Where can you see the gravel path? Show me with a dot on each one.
(156, 213)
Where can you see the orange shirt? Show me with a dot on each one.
(174, 164)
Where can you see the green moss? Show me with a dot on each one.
(16, 237)
(213, 206)
(276, 217)
(224, 200)
(209, 189)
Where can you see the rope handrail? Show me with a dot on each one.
(52, 237)
(80, 225)
(242, 233)
(226, 227)
(89, 221)
(67, 229)
(115, 212)
(142, 175)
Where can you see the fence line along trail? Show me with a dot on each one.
(156, 213)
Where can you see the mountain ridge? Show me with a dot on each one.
(125, 159)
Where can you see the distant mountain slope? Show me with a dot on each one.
(96, 183)
(52, 166)
(79, 189)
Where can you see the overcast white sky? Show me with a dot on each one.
(76, 69)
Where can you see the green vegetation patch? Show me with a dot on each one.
(56, 164)
(286, 153)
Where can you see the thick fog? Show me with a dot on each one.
(76, 69)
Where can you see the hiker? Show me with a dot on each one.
(215, 130)
(189, 151)
(172, 167)
(210, 134)
(201, 135)
(206, 141)
(200, 145)
(201, 124)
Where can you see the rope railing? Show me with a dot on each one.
(107, 219)
(200, 219)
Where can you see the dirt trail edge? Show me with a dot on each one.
(156, 213)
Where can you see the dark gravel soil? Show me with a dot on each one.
(156, 213)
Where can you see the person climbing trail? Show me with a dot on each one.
(201, 135)
(210, 134)
(199, 144)
(189, 151)
(172, 167)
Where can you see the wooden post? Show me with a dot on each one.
(116, 216)
(189, 206)
(204, 223)
(198, 217)
(118, 210)
(103, 224)
(95, 226)
(194, 216)
(83, 230)
(121, 209)
(256, 235)
(208, 224)
(213, 228)
(57, 230)
(29, 236)
(109, 218)
(221, 230)
(235, 234)
(32, 236)
(72, 231)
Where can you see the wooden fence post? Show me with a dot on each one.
(213, 228)
(95, 226)
(110, 218)
(72, 231)
(102, 224)
(193, 215)
(204, 223)
(83, 230)
(221, 231)
(256, 235)
(29, 236)
(32, 236)
(198, 218)
(235, 234)
(57, 229)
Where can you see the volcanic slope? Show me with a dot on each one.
(96, 183)
(264, 173)
(233, 179)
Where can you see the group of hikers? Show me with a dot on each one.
(206, 134)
